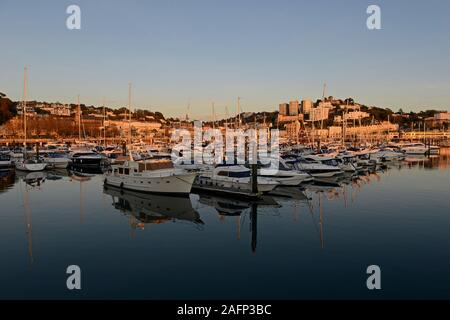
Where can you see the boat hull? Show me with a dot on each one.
(57, 163)
(415, 150)
(174, 184)
(30, 166)
(5, 163)
(235, 184)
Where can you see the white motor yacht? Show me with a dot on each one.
(284, 175)
(234, 177)
(414, 148)
(317, 168)
(30, 164)
(153, 176)
(56, 160)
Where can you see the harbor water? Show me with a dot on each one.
(303, 243)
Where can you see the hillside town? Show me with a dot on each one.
(297, 120)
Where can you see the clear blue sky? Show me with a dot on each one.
(215, 50)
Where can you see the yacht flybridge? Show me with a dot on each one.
(152, 176)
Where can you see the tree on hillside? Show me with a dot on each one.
(7, 109)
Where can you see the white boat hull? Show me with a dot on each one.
(415, 150)
(57, 163)
(291, 181)
(242, 184)
(5, 163)
(173, 184)
(20, 165)
(319, 171)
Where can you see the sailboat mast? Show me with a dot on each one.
(323, 99)
(213, 116)
(79, 118)
(104, 118)
(226, 117)
(24, 105)
(239, 110)
(129, 111)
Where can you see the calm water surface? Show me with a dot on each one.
(316, 244)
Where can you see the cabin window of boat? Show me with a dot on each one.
(223, 173)
(127, 171)
(240, 174)
(121, 170)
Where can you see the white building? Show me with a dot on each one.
(356, 115)
(140, 126)
(319, 114)
(307, 105)
(352, 115)
(56, 109)
(442, 116)
(30, 110)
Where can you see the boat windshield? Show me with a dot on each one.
(235, 174)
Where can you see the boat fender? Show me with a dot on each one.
(121, 185)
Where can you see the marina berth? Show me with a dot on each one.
(152, 176)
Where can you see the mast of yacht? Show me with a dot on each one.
(129, 120)
(188, 111)
(226, 117)
(239, 110)
(344, 124)
(79, 119)
(323, 100)
(24, 108)
(104, 127)
(213, 116)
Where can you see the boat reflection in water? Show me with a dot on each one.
(152, 208)
(33, 179)
(228, 207)
(7, 178)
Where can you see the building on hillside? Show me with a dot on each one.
(307, 105)
(55, 109)
(320, 113)
(30, 110)
(293, 129)
(140, 126)
(283, 109)
(352, 115)
(294, 108)
(439, 120)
